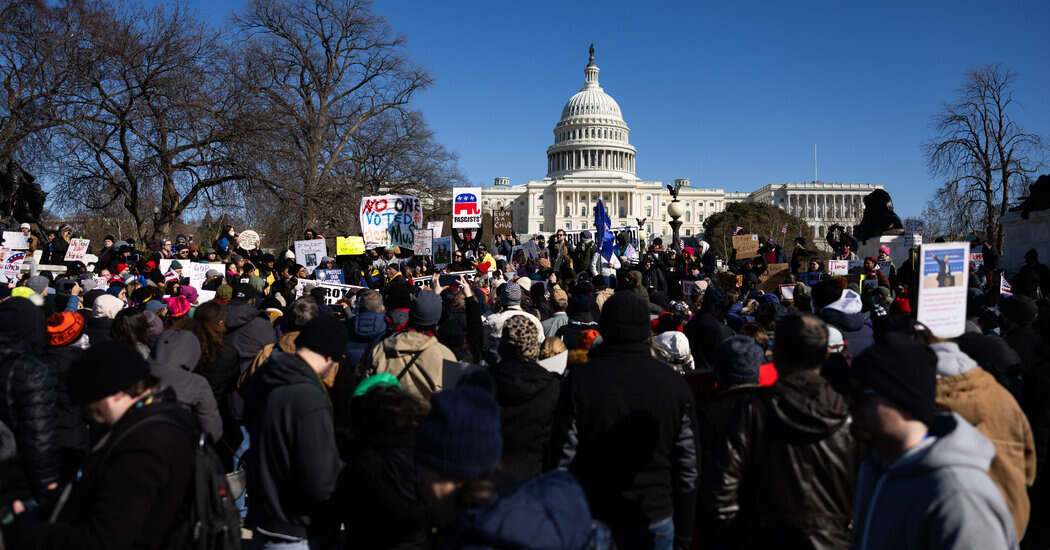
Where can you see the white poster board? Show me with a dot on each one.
(466, 207)
(945, 269)
(309, 253)
(424, 244)
(436, 227)
(248, 239)
(333, 292)
(390, 220)
(15, 240)
(838, 267)
(11, 265)
(198, 273)
(77, 250)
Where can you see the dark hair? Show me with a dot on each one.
(383, 411)
(142, 386)
(801, 342)
(756, 333)
(131, 327)
(208, 328)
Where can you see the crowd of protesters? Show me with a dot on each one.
(692, 407)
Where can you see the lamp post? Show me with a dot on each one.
(675, 210)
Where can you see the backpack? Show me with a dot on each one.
(209, 519)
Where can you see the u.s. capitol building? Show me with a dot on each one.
(592, 158)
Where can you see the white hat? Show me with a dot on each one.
(674, 347)
(24, 226)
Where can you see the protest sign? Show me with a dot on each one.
(436, 227)
(466, 207)
(309, 253)
(502, 222)
(349, 246)
(729, 280)
(532, 250)
(787, 292)
(198, 272)
(424, 245)
(205, 296)
(942, 300)
(977, 259)
(15, 240)
(810, 278)
(77, 250)
(447, 278)
(774, 275)
(330, 275)
(442, 248)
(248, 239)
(854, 266)
(838, 267)
(12, 265)
(390, 220)
(746, 246)
(333, 292)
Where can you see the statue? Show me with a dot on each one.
(879, 218)
(21, 199)
(1038, 196)
(675, 189)
(591, 62)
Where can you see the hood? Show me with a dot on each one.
(518, 382)
(21, 321)
(176, 349)
(951, 361)
(283, 369)
(973, 394)
(407, 343)
(848, 303)
(804, 402)
(958, 444)
(368, 325)
(238, 315)
(549, 511)
(847, 322)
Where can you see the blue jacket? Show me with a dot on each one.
(366, 329)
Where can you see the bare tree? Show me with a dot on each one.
(983, 154)
(948, 214)
(325, 69)
(160, 115)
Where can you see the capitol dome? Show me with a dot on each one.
(591, 139)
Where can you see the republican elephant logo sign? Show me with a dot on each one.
(466, 207)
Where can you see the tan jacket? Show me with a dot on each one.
(976, 396)
(287, 345)
(415, 359)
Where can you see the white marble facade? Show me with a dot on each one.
(591, 158)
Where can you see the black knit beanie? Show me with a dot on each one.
(460, 437)
(324, 334)
(106, 368)
(901, 370)
(625, 318)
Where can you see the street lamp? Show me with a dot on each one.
(675, 210)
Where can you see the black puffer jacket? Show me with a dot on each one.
(527, 394)
(796, 471)
(71, 426)
(28, 394)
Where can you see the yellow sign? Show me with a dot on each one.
(349, 246)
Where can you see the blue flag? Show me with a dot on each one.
(603, 232)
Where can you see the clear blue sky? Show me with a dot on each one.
(732, 95)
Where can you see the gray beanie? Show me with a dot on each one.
(37, 283)
(510, 294)
(737, 361)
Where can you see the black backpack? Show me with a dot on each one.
(209, 519)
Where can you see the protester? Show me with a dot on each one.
(174, 356)
(413, 355)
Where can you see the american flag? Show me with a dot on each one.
(784, 230)
(738, 228)
(171, 276)
(1004, 286)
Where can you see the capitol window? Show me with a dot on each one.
(568, 211)
(688, 216)
(688, 232)
(648, 211)
(583, 210)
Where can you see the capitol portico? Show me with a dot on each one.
(591, 158)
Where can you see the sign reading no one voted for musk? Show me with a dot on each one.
(466, 207)
(390, 220)
(942, 290)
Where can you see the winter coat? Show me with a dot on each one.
(71, 428)
(845, 314)
(494, 331)
(286, 343)
(28, 398)
(174, 356)
(570, 332)
(133, 486)
(549, 511)
(635, 468)
(938, 495)
(705, 333)
(603, 267)
(247, 331)
(527, 394)
(415, 359)
(222, 372)
(974, 394)
(366, 328)
(553, 323)
(794, 467)
(97, 328)
(293, 459)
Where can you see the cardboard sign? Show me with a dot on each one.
(330, 275)
(333, 292)
(424, 245)
(309, 253)
(442, 248)
(466, 207)
(769, 282)
(945, 272)
(502, 222)
(15, 240)
(436, 227)
(349, 246)
(746, 246)
(391, 220)
(838, 267)
(77, 250)
(248, 239)
(12, 265)
(729, 280)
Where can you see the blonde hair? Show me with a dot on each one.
(552, 347)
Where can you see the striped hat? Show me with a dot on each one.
(64, 328)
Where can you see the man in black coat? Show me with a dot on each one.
(626, 428)
(135, 482)
(293, 458)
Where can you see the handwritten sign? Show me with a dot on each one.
(309, 253)
(248, 239)
(838, 267)
(436, 227)
(15, 240)
(391, 220)
(349, 246)
(746, 246)
(424, 245)
(77, 250)
(502, 222)
(466, 207)
(774, 275)
(199, 273)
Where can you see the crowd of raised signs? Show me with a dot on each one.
(564, 393)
